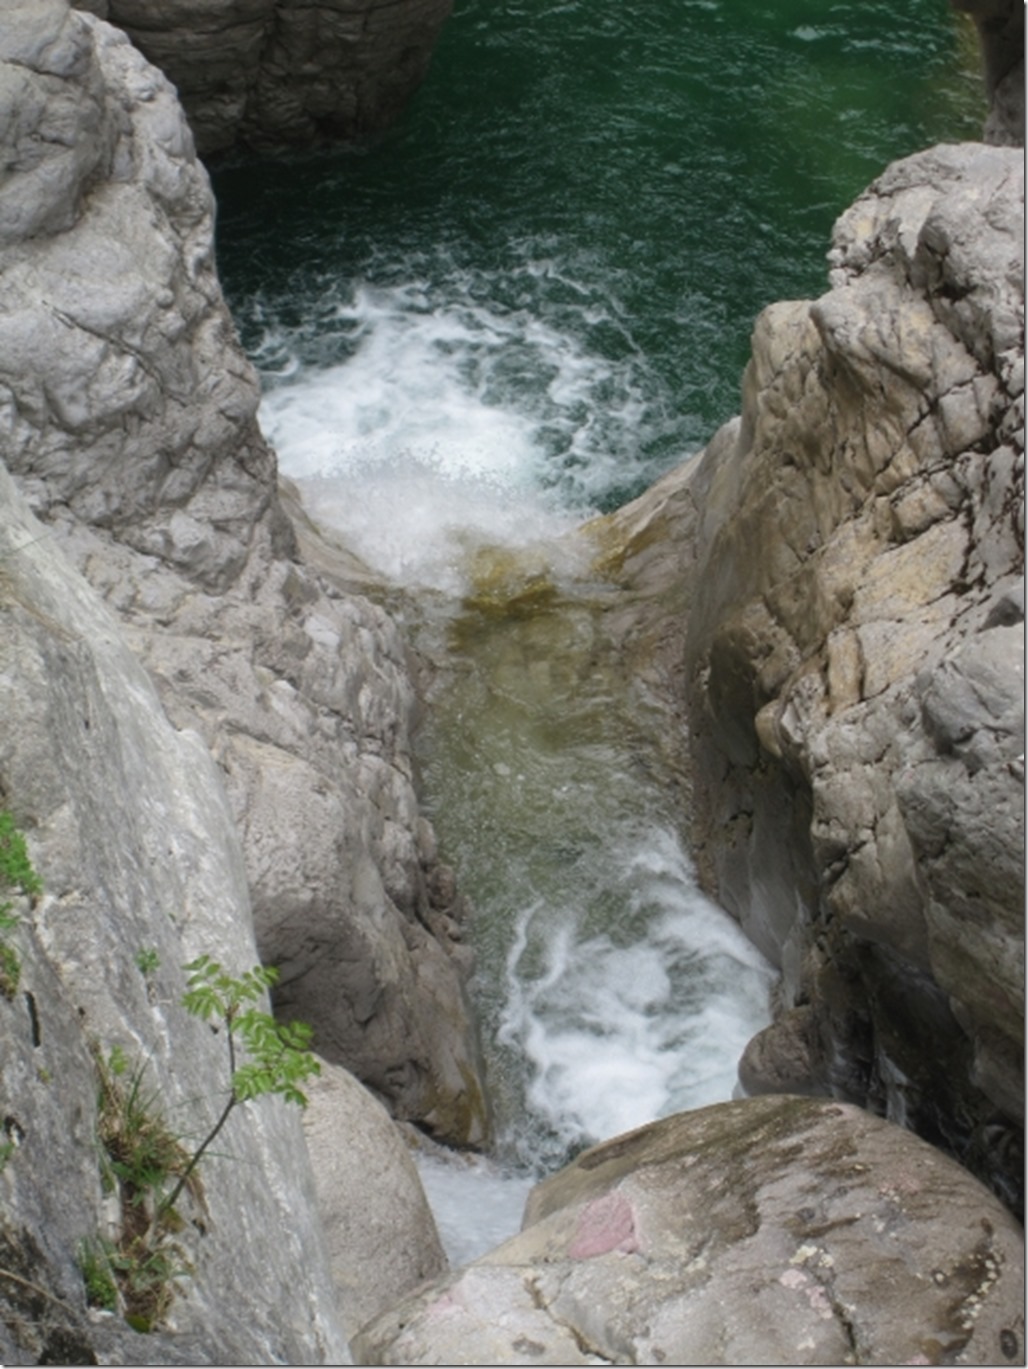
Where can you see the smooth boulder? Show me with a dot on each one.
(769, 1231)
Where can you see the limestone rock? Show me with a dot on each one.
(382, 1237)
(122, 392)
(850, 605)
(129, 418)
(1000, 25)
(263, 75)
(130, 830)
(770, 1231)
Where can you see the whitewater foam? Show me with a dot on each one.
(646, 1018)
(420, 421)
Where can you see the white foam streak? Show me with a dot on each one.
(461, 1185)
(623, 1027)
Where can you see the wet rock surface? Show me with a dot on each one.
(771, 1231)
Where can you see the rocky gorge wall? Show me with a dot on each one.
(840, 634)
(213, 761)
(206, 740)
(130, 425)
(263, 75)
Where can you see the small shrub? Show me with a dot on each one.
(10, 961)
(142, 1154)
(146, 1275)
(97, 1275)
(148, 962)
(15, 867)
(148, 1163)
(16, 873)
(279, 1059)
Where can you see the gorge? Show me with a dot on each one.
(844, 673)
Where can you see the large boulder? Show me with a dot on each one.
(844, 629)
(129, 419)
(768, 1231)
(382, 1237)
(264, 76)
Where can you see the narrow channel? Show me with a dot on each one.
(520, 308)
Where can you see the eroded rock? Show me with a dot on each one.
(849, 592)
(771, 1231)
(262, 75)
(129, 418)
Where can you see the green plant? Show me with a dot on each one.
(145, 1275)
(142, 1154)
(147, 961)
(97, 1275)
(16, 872)
(15, 867)
(148, 1162)
(279, 1059)
(141, 1157)
(10, 961)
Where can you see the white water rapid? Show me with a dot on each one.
(611, 991)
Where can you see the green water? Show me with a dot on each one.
(637, 179)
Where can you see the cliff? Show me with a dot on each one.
(132, 430)
(207, 746)
(263, 76)
(838, 629)
(213, 761)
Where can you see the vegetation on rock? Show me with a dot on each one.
(148, 1164)
(16, 873)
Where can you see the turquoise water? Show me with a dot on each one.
(581, 214)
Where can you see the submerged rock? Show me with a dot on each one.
(839, 604)
(768, 1231)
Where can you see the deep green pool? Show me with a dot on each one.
(599, 196)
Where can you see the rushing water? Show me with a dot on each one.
(529, 300)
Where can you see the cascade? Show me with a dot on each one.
(520, 308)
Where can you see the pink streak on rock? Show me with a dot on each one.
(605, 1224)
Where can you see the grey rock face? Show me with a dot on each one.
(1000, 25)
(129, 419)
(264, 75)
(771, 1231)
(130, 830)
(382, 1237)
(852, 585)
(123, 394)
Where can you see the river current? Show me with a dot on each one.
(523, 305)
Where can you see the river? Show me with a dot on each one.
(520, 307)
